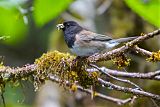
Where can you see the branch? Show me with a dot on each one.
(142, 51)
(99, 95)
(8, 73)
(123, 49)
(70, 71)
(118, 79)
(150, 75)
(129, 90)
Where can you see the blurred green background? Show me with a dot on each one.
(31, 27)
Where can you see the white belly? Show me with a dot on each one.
(81, 51)
(90, 50)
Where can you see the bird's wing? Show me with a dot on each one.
(99, 37)
(88, 36)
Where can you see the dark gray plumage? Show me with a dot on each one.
(85, 43)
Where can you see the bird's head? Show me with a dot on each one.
(69, 26)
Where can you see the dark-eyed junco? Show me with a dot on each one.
(83, 42)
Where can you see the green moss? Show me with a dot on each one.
(65, 67)
(121, 61)
(11, 77)
(154, 57)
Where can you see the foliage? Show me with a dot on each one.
(11, 22)
(13, 16)
(46, 10)
(147, 9)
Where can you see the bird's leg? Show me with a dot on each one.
(78, 60)
(74, 62)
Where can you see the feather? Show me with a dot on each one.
(120, 40)
(88, 36)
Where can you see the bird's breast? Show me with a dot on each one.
(69, 39)
(84, 51)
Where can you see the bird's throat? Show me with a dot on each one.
(70, 34)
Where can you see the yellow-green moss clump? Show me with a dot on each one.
(154, 57)
(121, 61)
(65, 67)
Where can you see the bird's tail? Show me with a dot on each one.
(120, 40)
(114, 42)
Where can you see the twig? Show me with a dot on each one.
(122, 80)
(129, 90)
(150, 75)
(102, 96)
(142, 51)
(118, 79)
(105, 97)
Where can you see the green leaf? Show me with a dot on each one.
(46, 10)
(149, 10)
(12, 25)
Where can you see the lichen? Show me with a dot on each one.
(154, 57)
(1, 65)
(10, 76)
(65, 67)
(73, 87)
(121, 61)
(143, 34)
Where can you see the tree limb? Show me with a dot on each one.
(123, 49)
(99, 95)
(150, 75)
(56, 62)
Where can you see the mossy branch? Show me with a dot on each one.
(66, 67)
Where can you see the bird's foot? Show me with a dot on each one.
(78, 59)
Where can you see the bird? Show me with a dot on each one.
(84, 43)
